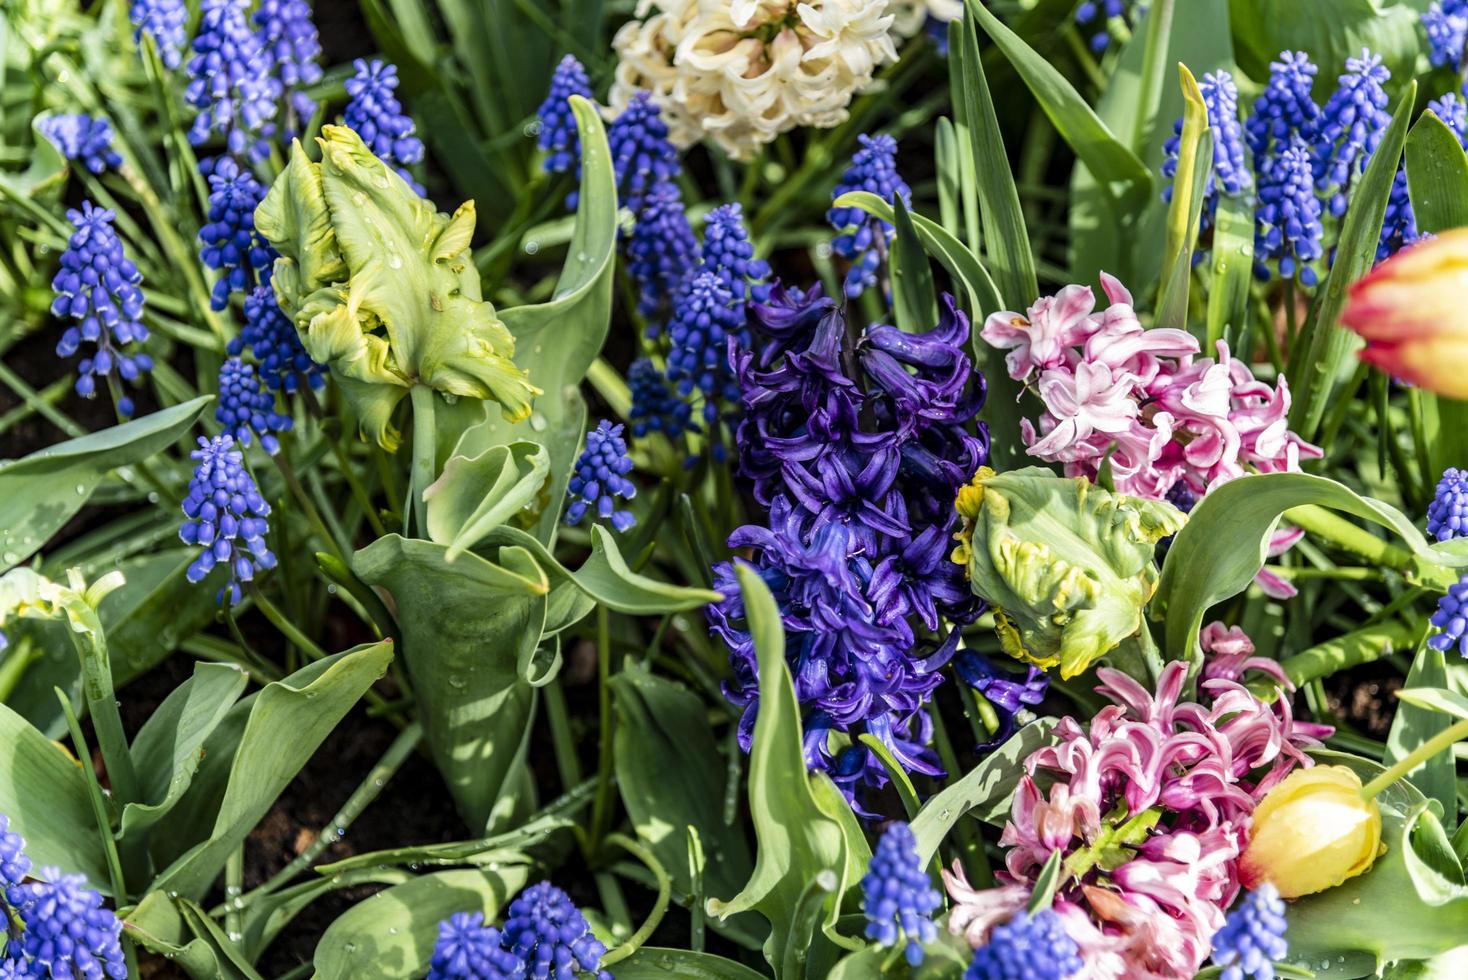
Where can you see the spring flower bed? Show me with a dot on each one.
(733, 489)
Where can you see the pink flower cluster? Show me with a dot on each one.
(1164, 414)
(1201, 767)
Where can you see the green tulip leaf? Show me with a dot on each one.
(475, 494)
(653, 963)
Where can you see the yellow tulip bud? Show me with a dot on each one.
(1312, 832)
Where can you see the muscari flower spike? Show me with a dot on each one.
(728, 252)
(1350, 128)
(230, 82)
(292, 47)
(246, 407)
(1289, 231)
(14, 865)
(166, 22)
(898, 898)
(863, 238)
(98, 285)
(705, 320)
(378, 118)
(271, 337)
(1284, 107)
(661, 252)
(1028, 947)
(655, 406)
(470, 949)
(1252, 939)
(82, 139)
(1230, 166)
(558, 138)
(67, 930)
(1451, 619)
(231, 245)
(1447, 515)
(1446, 23)
(600, 476)
(226, 517)
(551, 936)
(642, 155)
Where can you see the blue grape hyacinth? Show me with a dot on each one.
(226, 517)
(1289, 231)
(166, 22)
(1351, 125)
(1285, 108)
(1093, 16)
(661, 254)
(1230, 165)
(897, 896)
(1451, 620)
(470, 949)
(655, 405)
(98, 286)
(551, 936)
(600, 476)
(246, 408)
(1027, 948)
(558, 138)
(14, 865)
(377, 116)
(68, 932)
(728, 252)
(642, 156)
(1447, 515)
(292, 47)
(230, 82)
(862, 239)
(1252, 939)
(82, 139)
(232, 246)
(705, 319)
(270, 336)
(1446, 23)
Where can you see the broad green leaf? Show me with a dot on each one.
(914, 302)
(1189, 186)
(158, 924)
(286, 722)
(1437, 175)
(1329, 30)
(40, 493)
(1439, 700)
(47, 169)
(266, 916)
(1415, 723)
(392, 934)
(474, 494)
(654, 963)
(1233, 271)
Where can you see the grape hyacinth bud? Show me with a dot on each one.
(270, 336)
(67, 930)
(1230, 166)
(245, 407)
(98, 285)
(655, 406)
(661, 253)
(728, 252)
(82, 139)
(226, 517)
(230, 82)
(551, 936)
(292, 48)
(862, 238)
(1284, 107)
(642, 155)
(1252, 939)
(558, 138)
(703, 322)
(1451, 619)
(165, 21)
(1447, 515)
(377, 116)
(231, 244)
(1350, 127)
(1446, 23)
(897, 897)
(600, 476)
(468, 949)
(1027, 948)
(1289, 229)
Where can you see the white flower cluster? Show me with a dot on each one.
(741, 72)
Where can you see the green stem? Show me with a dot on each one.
(563, 743)
(601, 809)
(423, 456)
(1322, 523)
(91, 648)
(287, 629)
(1415, 758)
(313, 516)
(659, 907)
(234, 876)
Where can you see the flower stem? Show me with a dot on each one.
(660, 905)
(601, 809)
(423, 456)
(1415, 758)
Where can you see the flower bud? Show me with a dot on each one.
(1312, 832)
(1410, 312)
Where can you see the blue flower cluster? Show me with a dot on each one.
(600, 476)
(545, 937)
(1451, 619)
(292, 48)
(863, 239)
(558, 138)
(1289, 230)
(857, 446)
(226, 517)
(166, 22)
(660, 252)
(642, 156)
(898, 898)
(1008, 690)
(1252, 939)
(376, 115)
(706, 319)
(1094, 15)
(246, 407)
(270, 336)
(1351, 126)
(232, 246)
(98, 286)
(56, 925)
(1446, 22)
(231, 82)
(729, 254)
(1230, 165)
(1447, 515)
(1027, 948)
(82, 139)
(655, 405)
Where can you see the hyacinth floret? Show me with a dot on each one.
(1008, 691)
(1092, 15)
(558, 138)
(642, 156)
(728, 252)
(1451, 620)
(98, 286)
(862, 238)
(656, 407)
(270, 336)
(706, 319)
(292, 48)
(898, 898)
(469, 949)
(551, 936)
(661, 254)
(1252, 939)
(1028, 947)
(1447, 515)
(1289, 230)
(246, 407)
(230, 82)
(600, 477)
(1351, 125)
(377, 116)
(226, 517)
(82, 139)
(231, 245)
(166, 22)
(67, 930)
(1446, 23)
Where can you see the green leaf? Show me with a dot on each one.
(654, 963)
(1415, 724)
(286, 722)
(914, 301)
(1330, 30)
(474, 494)
(1438, 700)
(1437, 175)
(1323, 350)
(1233, 271)
(158, 924)
(40, 493)
(1189, 186)
(392, 934)
(1043, 892)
